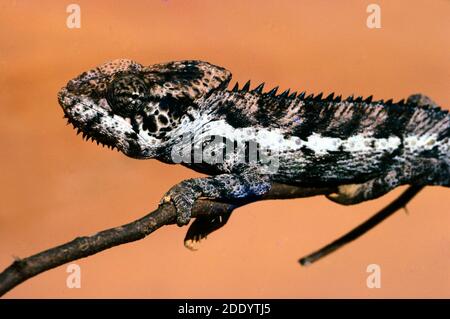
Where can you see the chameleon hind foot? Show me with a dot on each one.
(347, 194)
(351, 194)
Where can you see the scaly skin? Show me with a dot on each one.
(246, 140)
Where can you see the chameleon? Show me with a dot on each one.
(245, 140)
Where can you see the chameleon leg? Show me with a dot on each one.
(421, 173)
(221, 187)
(356, 193)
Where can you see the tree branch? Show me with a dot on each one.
(81, 247)
(23, 269)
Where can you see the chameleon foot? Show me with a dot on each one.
(348, 194)
(183, 199)
(356, 193)
(224, 186)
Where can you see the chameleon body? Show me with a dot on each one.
(247, 139)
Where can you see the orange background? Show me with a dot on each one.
(54, 186)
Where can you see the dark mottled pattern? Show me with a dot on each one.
(321, 115)
(127, 94)
(171, 72)
(270, 108)
(237, 118)
(314, 116)
(398, 116)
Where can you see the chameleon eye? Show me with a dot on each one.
(127, 94)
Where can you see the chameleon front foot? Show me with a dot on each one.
(224, 186)
(183, 198)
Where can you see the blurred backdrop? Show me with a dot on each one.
(54, 186)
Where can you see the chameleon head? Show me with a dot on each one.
(134, 108)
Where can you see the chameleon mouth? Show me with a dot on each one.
(97, 139)
(95, 122)
(85, 118)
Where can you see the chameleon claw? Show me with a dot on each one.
(347, 194)
(191, 244)
(166, 199)
(333, 196)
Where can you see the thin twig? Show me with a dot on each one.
(397, 204)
